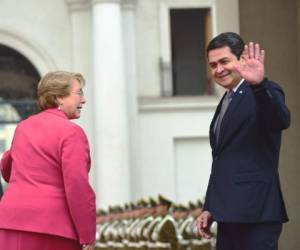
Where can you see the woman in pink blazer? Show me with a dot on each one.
(49, 203)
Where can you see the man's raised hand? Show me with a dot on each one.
(252, 67)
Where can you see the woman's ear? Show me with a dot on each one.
(59, 100)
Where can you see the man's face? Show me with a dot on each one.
(161, 209)
(222, 65)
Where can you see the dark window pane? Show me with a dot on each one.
(188, 37)
(18, 84)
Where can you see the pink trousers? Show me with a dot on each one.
(21, 240)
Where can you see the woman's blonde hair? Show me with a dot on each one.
(56, 84)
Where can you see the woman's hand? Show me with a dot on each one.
(88, 246)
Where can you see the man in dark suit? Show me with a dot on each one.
(244, 194)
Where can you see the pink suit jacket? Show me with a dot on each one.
(47, 169)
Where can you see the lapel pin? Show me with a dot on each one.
(240, 92)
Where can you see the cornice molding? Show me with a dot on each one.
(129, 4)
(78, 4)
(105, 1)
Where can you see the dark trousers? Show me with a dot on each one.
(248, 236)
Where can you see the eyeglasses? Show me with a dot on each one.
(79, 93)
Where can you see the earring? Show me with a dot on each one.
(59, 108)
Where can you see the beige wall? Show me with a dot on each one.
(275, 25)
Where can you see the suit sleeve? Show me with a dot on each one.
(5, 165)
(271, 105)
(75, 161)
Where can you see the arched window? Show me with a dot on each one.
(18, 81)
(18, 84)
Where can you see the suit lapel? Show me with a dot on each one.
(228, 127)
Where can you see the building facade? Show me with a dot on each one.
(149, 97)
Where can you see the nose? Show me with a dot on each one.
(83, 100)
(219, 68)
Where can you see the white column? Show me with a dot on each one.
(110, 105)
(82, 61)
(129, 31)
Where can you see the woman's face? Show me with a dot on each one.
(72, 104)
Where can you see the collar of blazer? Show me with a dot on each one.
(227, 129)
(57, 112)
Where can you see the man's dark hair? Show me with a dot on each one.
(227, 39)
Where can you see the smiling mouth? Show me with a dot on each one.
(223, 77)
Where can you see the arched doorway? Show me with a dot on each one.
(18, 84)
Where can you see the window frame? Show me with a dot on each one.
(165, 61)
